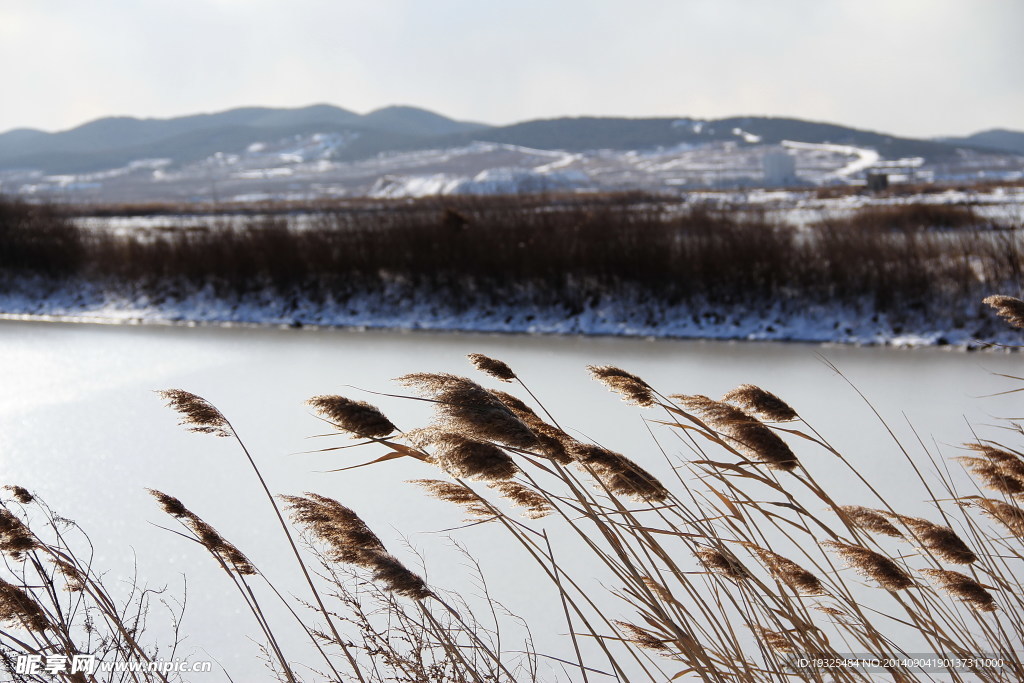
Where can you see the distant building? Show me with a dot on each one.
(779, 169)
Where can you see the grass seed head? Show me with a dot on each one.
(642, 637)
(397, 578)
(1010, 516)
(205, 533)
(358, 417)
(872, 565)
(774, 640)
(20, 494)
(762, 404)
(632, 389)
(469, 458)
(170, 504)
(618, 473)
(721, 563)
(871, 520)
(831, 611)
(467, 408)
(939, 539)
(964, 588)
(348, 538)
(492, 366)
(534, 504)
(745, 433)
(790, 573)
(1008, 464)
(452, 492)
(993, 476)
(551, 441)
(198, 414)
(1008, 307)
(658, 589)
(74, 581)
(16, 538)
(18, 608)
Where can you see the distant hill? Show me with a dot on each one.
(997, 139)
(414, 121)
(580, 134)
(116, 141)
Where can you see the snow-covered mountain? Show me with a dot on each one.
(326, 151)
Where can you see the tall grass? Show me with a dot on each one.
(736, 566)
(566, 253)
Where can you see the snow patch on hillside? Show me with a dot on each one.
(488, 182)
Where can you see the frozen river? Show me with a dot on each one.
(80, 426)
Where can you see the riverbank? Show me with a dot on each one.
(399, 308)
(912, 274)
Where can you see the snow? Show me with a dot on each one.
(397, 306)
(487, 182)
(312, 164)
(747, 137)
(864, 158)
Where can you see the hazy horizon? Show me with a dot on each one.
(917, 68)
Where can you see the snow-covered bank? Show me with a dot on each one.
(399, 308)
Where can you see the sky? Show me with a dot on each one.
(915, 68)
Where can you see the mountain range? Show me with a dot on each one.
(255, 154)
(113, 142)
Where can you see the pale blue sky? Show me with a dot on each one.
(911, 67)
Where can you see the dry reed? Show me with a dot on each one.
(749, 436)
(963, 588)
(872, 565)
(359, 417)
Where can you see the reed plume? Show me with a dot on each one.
(20, 494)
(452, 492)
(492, 366)
(74, 580)
(872, 565)
(773, 640)
(632, 389)
(963, 588)
(1009, 308)
(939, 539)
(1008, 464)
(358, 417)
(1010, 516)
(15, 537)
(762, 404)
(205, 533)
(789, 572)
(871, 520)
(197, 414)
(349, 540)
(465, 407)
(719, 562)
(534, 505)
(18, 608)
(643, 637)
(468, 458)
(658, 589)
(618, 473)
(551, 441)
(748, 435)
(993, 476)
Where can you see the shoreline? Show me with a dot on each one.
(116, 317)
